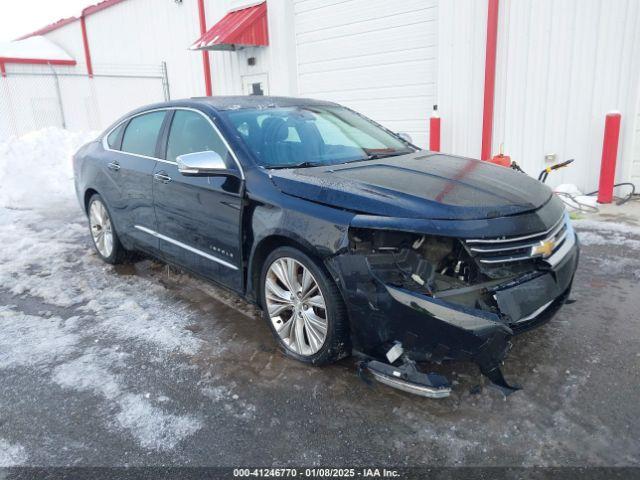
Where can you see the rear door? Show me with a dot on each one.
(131, 169)
(199, 217)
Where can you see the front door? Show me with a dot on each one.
(199, 217)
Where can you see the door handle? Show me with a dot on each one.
(162, 177)
(115, 166)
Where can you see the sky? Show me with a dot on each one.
(20, 17)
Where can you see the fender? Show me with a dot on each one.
(322, 231)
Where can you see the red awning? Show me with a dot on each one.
(246, 27)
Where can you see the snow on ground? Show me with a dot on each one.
(607, 237)
(123, 347)
(618, 240)
(41, 339)
(11, 455)
(36, 169)
(152, 426)
(622, 228)
(45, 254)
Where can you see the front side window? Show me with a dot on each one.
(141, 134)
(313, 135)
(191, 132)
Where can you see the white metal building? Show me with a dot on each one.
(560, 66)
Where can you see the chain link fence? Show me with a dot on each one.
(46, 96)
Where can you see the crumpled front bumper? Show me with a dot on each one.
(435, 329)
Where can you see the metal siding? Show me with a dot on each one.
(462, 33)
(150, 32)
(283, 74)
(227, 68)
(375, 56)
(147, 33)
(561, 67)
(137, 35)
(69, 38)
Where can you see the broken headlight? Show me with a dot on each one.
(440, 267)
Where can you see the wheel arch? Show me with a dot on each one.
(89, 192)
(263, 248)
(115, 221)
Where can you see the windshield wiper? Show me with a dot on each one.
(296, 165)
(376, 156)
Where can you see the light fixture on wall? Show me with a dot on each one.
(178, 2)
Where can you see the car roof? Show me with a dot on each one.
(222, 103)
(226, 103)
(257, 101)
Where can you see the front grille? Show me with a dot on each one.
(517, 249)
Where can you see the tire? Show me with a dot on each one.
(299, 319)
(101, 229)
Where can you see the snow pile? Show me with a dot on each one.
(574, 199)
(36, 169)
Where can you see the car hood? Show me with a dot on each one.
(417, 185)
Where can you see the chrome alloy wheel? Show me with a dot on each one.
(296, 306)
(101, 229)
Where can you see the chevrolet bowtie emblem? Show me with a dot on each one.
(545, 248)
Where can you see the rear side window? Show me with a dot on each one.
(142, 134)
(113, 140)
(190, 133)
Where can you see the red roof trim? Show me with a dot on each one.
(91, 9)
(36, 61)
(243, 27)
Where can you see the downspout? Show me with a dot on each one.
(205, 54)
(3, 70)
(489, 78)
(85, 42)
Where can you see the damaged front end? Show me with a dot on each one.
(417, 296)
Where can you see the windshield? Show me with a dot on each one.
(313, 135)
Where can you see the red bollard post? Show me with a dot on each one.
(609, 154)
(434, 130)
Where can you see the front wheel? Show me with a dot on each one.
(104, 236)
(303, 307)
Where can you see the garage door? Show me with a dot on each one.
(375, 56)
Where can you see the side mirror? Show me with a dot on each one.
(202, 164)
(405, 136)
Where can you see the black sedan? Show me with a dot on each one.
(350, 238)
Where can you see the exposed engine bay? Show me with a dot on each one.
(439, 267)
(447, 280)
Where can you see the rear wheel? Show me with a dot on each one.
(105, 239)
(303, 307)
